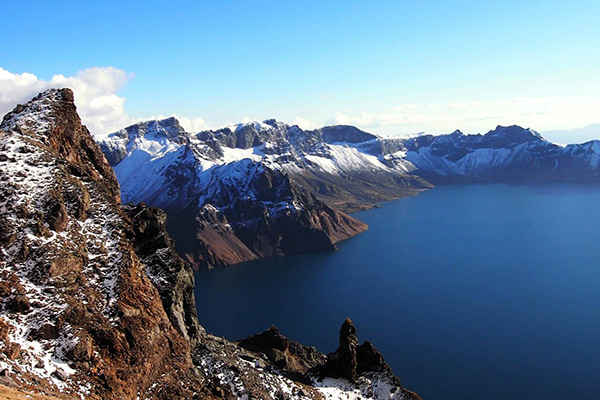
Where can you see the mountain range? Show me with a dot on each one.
(267, 188)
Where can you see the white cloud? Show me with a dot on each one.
(475, 116)
(526, 101)
(95, 89)
(406, 107)
(303, 123)
(100, 108)
(192, 124)
(368, 120)
(459, 105)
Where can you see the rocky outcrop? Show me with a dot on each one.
(294, 359)
(360, 366)
(171, 275)
(79, 314)
(351, 359)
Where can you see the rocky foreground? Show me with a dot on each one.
(95, 303)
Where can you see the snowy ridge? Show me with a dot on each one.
(146, 160)
(340, 151)
(32, 175)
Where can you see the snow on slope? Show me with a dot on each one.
(142, 155)
(31, 174)
(148, 156)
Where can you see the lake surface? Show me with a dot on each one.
(470, 292)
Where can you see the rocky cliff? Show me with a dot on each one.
(223, 209)
(80, 315)
(95, 303)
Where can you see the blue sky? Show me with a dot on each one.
(387, 66)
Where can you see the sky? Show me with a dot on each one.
(389, 67)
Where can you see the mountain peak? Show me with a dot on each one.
(50, 121)
(514, 133)
(37, 115)
(168, 128)
(345, 133)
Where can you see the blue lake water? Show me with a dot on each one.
(470, 292)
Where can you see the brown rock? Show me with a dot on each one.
(4, 328)
(13, 351)
(64, 264)
(46, 331)
(82, 351)
(58, 218)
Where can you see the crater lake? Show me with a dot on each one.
(470, 292)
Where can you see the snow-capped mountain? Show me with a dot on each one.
(96, 304)
(244, 184)
(336, 163)
(230, 194)
(505, 154)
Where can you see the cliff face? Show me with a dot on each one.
(78, 309)
(94, 301)
(249, 210)
(223, 210)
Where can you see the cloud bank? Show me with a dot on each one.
(540, 113)
(95, 89)
(100, 108)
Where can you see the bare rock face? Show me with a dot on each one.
(251, 211)
(172, 276)
(78, 310)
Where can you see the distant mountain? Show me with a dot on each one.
(581, 135)
(266, 188)
(505, 154)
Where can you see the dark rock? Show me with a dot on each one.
(19, 304)
(58, 219)
(292, 358)
(60, 374)
(350, 360)
(369, 358)
(343, 362)
(46, 331)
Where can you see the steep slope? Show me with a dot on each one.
(73, 316)
(505, 154)
(94, 301)
(226, 205)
